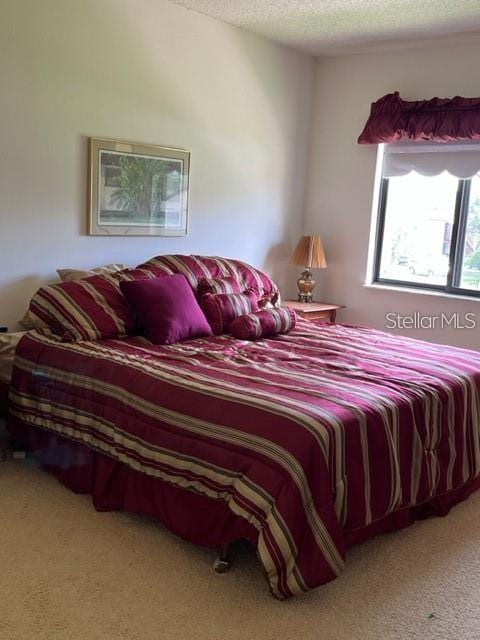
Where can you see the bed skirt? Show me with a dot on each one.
(193, 516)
(3, 399)
(114, 487)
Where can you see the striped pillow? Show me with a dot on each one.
(222, 309)
(196, 267)
(67, 275)
(218, 285)
(264, 323)
(89, 309)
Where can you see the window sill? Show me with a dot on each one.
(422, 292)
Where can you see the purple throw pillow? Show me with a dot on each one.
(263, 323)
(166, 309)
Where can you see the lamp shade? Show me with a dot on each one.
(309, 253)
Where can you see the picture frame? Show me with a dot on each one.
(137, 189)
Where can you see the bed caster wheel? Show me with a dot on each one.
(221, 563)
(221, 566)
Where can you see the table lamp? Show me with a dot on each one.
(308, 253)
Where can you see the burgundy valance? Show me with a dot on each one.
(438, 119)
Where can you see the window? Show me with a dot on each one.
(428, 231)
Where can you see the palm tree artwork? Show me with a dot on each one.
(140, 189)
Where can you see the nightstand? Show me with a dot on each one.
(314, 310)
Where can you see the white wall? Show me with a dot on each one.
(150, 71)
(341, 174)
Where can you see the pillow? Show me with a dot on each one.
(89, 309)
(68, 275)
(196, 267)
(222, 309)
(263, 323)
(166, 309)
(8, 344)
(218, 285)
(30, 321)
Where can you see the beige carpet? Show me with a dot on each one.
(69, 572)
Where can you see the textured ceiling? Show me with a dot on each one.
(349, 26)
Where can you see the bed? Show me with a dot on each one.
(303, 444)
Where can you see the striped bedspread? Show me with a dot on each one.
(306, 435)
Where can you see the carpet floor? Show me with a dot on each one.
(68, 572)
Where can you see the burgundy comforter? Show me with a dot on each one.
(310, 437)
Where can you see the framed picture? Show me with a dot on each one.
(137, 189)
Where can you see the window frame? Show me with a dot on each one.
(457, 245)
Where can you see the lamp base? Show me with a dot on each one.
(306, 285)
